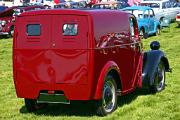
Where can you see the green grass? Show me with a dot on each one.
(135, 106)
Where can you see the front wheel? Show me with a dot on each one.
(108, 103)
(159, 79)
(158, 31)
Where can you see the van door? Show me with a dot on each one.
(32, 43)
(70, 43)
(34, 32)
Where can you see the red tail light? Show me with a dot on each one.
(178, 16)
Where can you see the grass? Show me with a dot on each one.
(135, 106)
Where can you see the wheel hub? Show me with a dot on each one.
(108, 95)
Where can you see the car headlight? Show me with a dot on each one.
(3, 22)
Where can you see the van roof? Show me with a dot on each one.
(71, 11)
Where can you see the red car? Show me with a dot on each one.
(64, 55)
(8, 17)
(178, 19)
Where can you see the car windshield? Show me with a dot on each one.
(152, 5)
(137, 13)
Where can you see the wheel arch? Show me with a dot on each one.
(166, 63)
(116, 76)
(151, 60)
(110, 68)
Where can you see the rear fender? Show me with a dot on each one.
(151, 60)
(110, 65)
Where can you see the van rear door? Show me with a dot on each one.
(70, 42)
(52, 48)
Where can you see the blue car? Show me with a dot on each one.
(147, 23)
(2, 8)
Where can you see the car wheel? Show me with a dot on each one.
(141, 33)
(11, 32)
(32, 105)
(108, 103)
(178, 24)
(159, 79)
(158, 31)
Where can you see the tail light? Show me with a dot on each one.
(178, 16)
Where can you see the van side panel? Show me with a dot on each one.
(113, 43)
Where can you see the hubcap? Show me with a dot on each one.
(108, 96)
(160, 78)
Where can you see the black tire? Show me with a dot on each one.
(32, 105)
(178, 25)
(159, 79)
(108, 103)
(11, 32)
(158, 31)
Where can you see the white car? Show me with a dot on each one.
(163, 8)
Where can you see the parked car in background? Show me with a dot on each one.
(48, 3)
(81, 4)
(163, 8)
(178, 19)
(110, 5)
(8, 17)
(103, 5)
(2, 8)
(147, 24)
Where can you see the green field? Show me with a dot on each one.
(135, 106)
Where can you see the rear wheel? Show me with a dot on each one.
(32, 105)
(159, 79)
(108, 103)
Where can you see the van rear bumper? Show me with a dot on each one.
(71, 91)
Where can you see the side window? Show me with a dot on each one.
(163, 5)
(33, 29)
(70, 29)
(151, 13)
(132, 29)
(174, 4)
(168, 4)
(146, 14)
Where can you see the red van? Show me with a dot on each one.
(65, 55)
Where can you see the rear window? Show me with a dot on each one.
(70, 29)
(33, 29)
